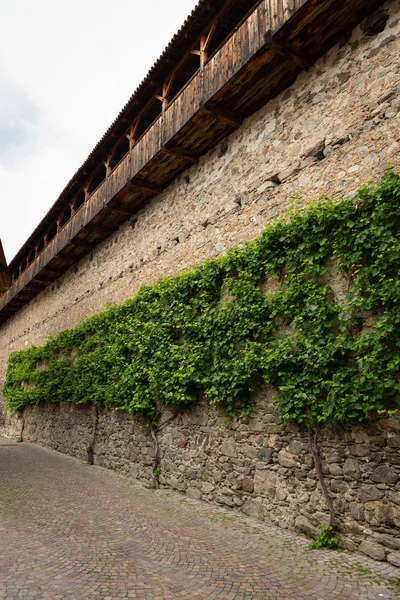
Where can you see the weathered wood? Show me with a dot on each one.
(182, 153)
(223, 115)
(92, 228)
(123, 210)
(83, 244)
(147, 186)
(288, 51)
(5, 281)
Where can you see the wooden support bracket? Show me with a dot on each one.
(147, 186)
(98, 229)
(54, 270)
(182, 153)
(284, 48)
(82, 244)
(66, 257)
(223, 115)
(123, 210)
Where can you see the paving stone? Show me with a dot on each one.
(73, 532)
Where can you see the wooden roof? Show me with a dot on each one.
(222, 66)
(5, 280)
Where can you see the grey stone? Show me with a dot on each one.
(193, 493)
(286, 459)
(351, 468)
(393, 440)
(253, 508)
(289, 172)
(304, 525)
(372, 550)
(332, 458)
(207, 487)
(249, 451)
(255, 425)
(295, 447)
(265, 455)
(335, 469)
(394, 558)
(357, 511)
(247, 484)
(384, 474)
(369, 493)
(359, 450)
(265, 483)
(228, 448)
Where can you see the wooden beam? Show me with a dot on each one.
(206, 39)
(123, 210)
(66, 257)
(223, 115)
(147, 186)
(54, 270)
(98, 229)
(286, 49)
(182, 153)
(36, 285)
(82, 244)
(5, 280)
(40, 282)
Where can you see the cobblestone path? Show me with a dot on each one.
(69, 531)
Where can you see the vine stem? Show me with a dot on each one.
(314, 450)
(154, 430)
(156, 463)
(90, 448)
(21, 435)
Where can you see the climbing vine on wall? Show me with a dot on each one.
(265, 313)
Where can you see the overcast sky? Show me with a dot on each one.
(67, 67)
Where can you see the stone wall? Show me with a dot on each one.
(251, 466)
(335, 128)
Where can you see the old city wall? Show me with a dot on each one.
(334, 129)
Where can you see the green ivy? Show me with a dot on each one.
(263, 314)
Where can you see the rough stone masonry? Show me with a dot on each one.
(334, 129)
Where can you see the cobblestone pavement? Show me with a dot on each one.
(69, 531)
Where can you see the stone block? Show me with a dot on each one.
(207, 487)
(357, 511)
(264, 455)
(304, 525)
(286, 459)
(394, 558)
(372, 550)
(253, 508)
(351, 468)
(384, 474)
(265, 483)
(255, 425)
(193, 493)
(295, 447)
(228, 448)
(247, 484)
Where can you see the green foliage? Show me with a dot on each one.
(326, 538)
(262, 314)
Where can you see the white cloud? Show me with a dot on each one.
(67, 69)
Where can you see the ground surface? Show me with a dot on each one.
(69, 531)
